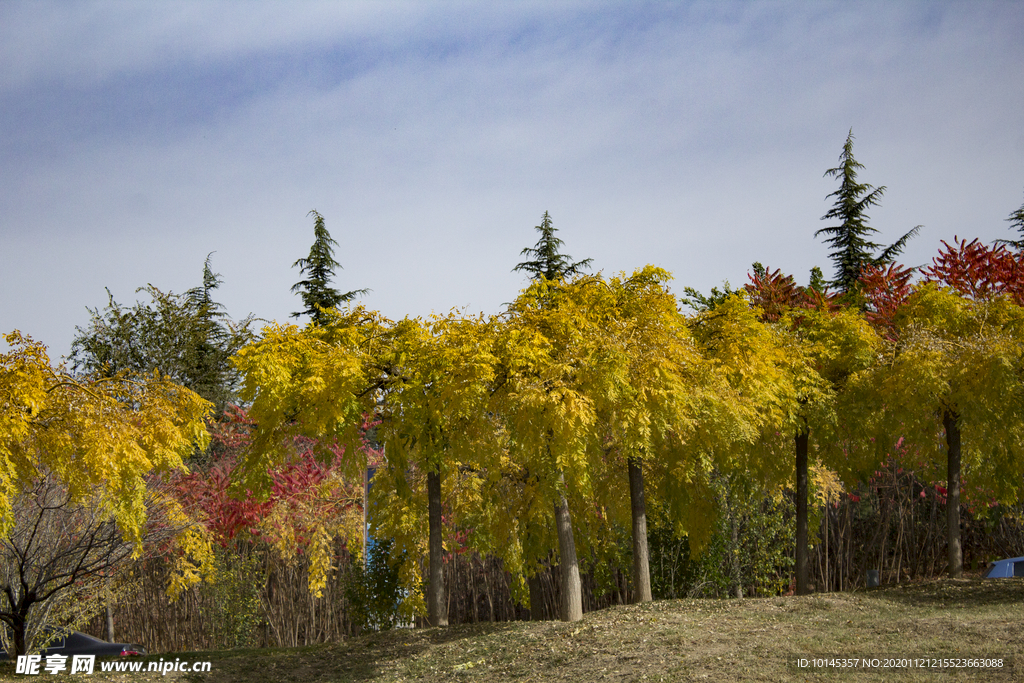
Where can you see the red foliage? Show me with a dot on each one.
(885, 289)
(978, 271)
(297, 486)
(774, 293)
(458, 541)
(207, 493)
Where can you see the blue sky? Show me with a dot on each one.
(138, 137)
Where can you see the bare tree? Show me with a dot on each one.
(61, 558)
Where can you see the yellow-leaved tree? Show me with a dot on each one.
(838, 349)
(435, 422)
(660, 390)
(321, 382)
(951, 385)
(950, 379)
(551, 367)
(829, 348)
(425, 382)
(737, 451)
(77, 454)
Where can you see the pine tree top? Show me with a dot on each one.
(547, 261)
(1016, 221)
(315, 290)
(852, 248)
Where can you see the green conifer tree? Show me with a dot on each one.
(547, 261)
(318, 269)
(852, 248)
(817, 282)
(700, 303)
(1016, 221)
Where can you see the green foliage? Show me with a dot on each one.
(852, 249)
(753, 541)
(817, 281)
(700, 303)
(547, 261)
(671, 572)
(610, 553)
(1016, 221)
(318, 268)
(765, 548)
(374, 592)
(769, 545)
(235, 592)
(187, 337)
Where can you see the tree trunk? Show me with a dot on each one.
(109, 612)
(641, 555)
(827, 582)
(802, 585)
(735, 566)
(572, 589)
(437, 608)
(956, 559)
(18, 638)
(110, 623)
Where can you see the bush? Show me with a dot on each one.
(235, 599)
(374, 592)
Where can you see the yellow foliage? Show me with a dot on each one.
(195, 562)
(963, 356)
(321, 553)
(317, 382)
(826, 484)
(100, 437)
(439, 375)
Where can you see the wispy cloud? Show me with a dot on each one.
(432, 137)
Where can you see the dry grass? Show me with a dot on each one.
(748, 640)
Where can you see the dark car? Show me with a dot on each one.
(78, 643)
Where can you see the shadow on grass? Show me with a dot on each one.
(972, 592)
(362, 658)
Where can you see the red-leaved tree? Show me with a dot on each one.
(309, 503)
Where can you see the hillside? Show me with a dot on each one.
(748, 640)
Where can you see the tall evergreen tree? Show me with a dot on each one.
(318, 269)
(1016, 221)
(852, 248)
(547, 261)
(215, 341)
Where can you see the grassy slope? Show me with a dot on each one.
(754, 640)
